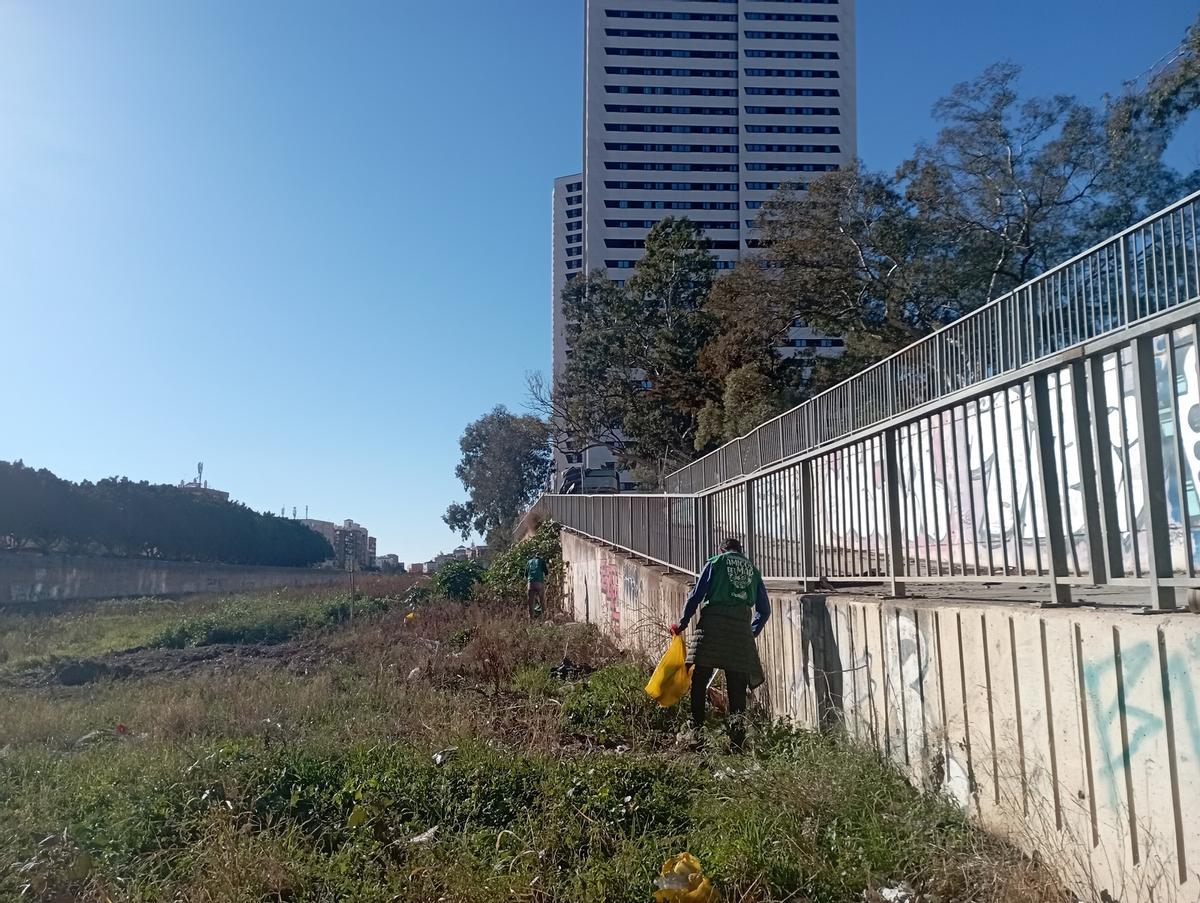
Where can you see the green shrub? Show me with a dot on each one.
(505, 579)
(456, 580)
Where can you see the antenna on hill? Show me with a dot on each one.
(200, 474)
(293, 512)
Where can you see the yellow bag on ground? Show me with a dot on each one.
(684, 881)
(673, 676)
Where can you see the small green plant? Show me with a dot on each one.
(611, 707)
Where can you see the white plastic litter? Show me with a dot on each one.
(898, 893)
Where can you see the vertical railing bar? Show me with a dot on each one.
(787, 529)
(866, 476)
(808, 525)
(750, 547)
(943, 446)
(971, 483)
(892, 489)
(1154, 498)
(801, 529)
(845, 529)
(818, 516)
(1153, 248)
(854, 564)
(1195, 247)
(998, 481)
(1049, 486)
(1106, 491)
(1033, 507)
(958, 484)
(1160, 257)
(1086, 297)
(1130, 509)
(1173, 278)
(932, 493)
(1123, 282)
(669, 523)
(1092, 519)
(872, 499)
(920, 527)
(1011, 442)
(1067, 335)
(827, 538)
(851, 519)
(983, 478)
(920, 500)
(1064, 485)
(854, 531)
(911, 506)
(1180, 480)
(836, 510)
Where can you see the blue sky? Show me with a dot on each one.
(307, 242)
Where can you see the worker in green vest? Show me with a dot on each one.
(535, 576)
(735, 608)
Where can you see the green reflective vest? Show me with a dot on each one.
(734, 580)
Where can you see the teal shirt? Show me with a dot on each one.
(535, 570)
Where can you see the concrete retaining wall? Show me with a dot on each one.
(1075, 733)
(27, 579)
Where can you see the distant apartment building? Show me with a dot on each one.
(352, 544)
(388, 562)
(417, 567)
(326, 528)
(567, 218)
(701, 109)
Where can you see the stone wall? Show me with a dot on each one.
(1073, 732)
(29, 579)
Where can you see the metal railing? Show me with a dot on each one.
(1052, 436)
(1148, 268)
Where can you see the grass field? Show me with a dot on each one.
(285, 747)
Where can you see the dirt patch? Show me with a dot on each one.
(143, 663)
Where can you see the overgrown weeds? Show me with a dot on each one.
(445, 757)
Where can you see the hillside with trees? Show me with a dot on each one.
(122, 518)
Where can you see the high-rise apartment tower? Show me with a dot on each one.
(703, 109)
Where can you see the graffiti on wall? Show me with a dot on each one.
(1108, 699)
(610, 589)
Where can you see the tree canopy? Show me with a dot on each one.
(120, 517)
(633, 381)
(505, 465)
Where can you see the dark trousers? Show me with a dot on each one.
(535, 598)
(736, 682)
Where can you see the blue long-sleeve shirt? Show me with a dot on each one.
(762, 603)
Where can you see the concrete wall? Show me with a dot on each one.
(1073, 732)
(26, 579)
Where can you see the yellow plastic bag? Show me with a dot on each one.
(683, 881)
(673, 676)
